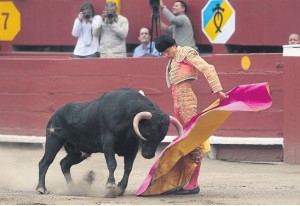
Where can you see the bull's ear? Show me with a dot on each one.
(142, 92)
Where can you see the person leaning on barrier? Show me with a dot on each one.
(181, 28)
(294, 38)
(143, 50)
(113, 31)
(87, 43)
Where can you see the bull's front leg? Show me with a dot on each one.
(111, 165)
(128, 163)
(110, 184)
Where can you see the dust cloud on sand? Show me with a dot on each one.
(19, 172)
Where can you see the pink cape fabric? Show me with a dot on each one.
(169, 172)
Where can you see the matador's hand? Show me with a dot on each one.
(222, 95)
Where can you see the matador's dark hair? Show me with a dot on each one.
(164, 42)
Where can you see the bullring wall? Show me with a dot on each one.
(33, 86)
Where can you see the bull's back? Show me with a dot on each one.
(77, 123)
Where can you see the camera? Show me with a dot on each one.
(154, 4)
(110, 14)
(87, 14)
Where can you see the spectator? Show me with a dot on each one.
(294, 38)
(87, 43)
(144, 48)
(181, 28)
(113, 31)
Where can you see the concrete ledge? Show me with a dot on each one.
(22, 139)
(247, 140)
(292, 50)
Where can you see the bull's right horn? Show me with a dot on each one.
(177, 124)
(138, 117)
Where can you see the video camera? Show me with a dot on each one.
(154, 4)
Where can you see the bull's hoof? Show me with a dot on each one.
(112, 193)
(42, 191)
(120, 191)
(110, 185)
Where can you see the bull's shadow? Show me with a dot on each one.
(118, 122)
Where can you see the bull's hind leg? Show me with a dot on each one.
(73, 157)
(52, 146)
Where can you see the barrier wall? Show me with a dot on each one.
(33, 87)
(291, 109)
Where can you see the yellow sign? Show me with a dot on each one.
(10, 21)
(245, 62)
(218, 21)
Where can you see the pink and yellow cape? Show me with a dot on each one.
(172, 170)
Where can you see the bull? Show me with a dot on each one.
(118, 122)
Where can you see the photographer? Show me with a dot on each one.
(113, 31)
(87, 43)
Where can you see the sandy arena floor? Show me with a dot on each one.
(221, 182)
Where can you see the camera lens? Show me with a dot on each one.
(110, 14)
(86, 14)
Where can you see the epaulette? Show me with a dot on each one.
(182, 52)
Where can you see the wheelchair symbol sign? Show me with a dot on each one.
(218, 21)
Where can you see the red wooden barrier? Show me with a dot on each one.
(32, 88)
(291, 110)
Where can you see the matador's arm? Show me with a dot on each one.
(208, 70)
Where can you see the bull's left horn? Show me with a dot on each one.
(138, 117)
(177, 124)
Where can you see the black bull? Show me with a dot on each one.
(116, 123)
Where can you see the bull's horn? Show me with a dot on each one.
(177, 124)
(136, 120)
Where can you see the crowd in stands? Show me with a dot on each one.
(105, 35)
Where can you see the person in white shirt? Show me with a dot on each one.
(143, 50)
(113, 31)
(87, 43)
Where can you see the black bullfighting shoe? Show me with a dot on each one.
(182, 191)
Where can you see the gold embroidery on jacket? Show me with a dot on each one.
(189, 58)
